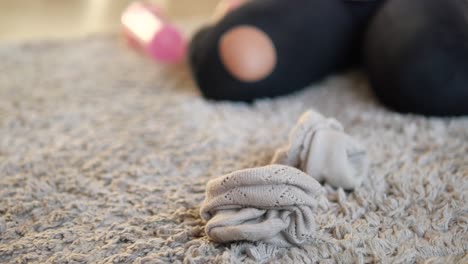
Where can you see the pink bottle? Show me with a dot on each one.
(146, 28)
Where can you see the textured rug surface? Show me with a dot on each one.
(104, 157)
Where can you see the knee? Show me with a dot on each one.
(233, 62)
(247, 53)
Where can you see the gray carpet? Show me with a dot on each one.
(104, 157)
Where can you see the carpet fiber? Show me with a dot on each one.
(104, 157)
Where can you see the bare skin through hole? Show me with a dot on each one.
(247, 53)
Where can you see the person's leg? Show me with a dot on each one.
(417, 56)
(268, 48)
(362, 12)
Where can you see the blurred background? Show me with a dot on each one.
(52, 19)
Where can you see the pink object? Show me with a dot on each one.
(146, 28)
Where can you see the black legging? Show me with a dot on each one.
(416, 52)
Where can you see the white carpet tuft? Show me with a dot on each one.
(104, 157)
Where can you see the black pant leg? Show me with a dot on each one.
(312, 39)
(417, 56)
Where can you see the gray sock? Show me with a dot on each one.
(319, 147)
(274, 204)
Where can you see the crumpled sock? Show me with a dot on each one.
(274, 204)
(319, 147)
